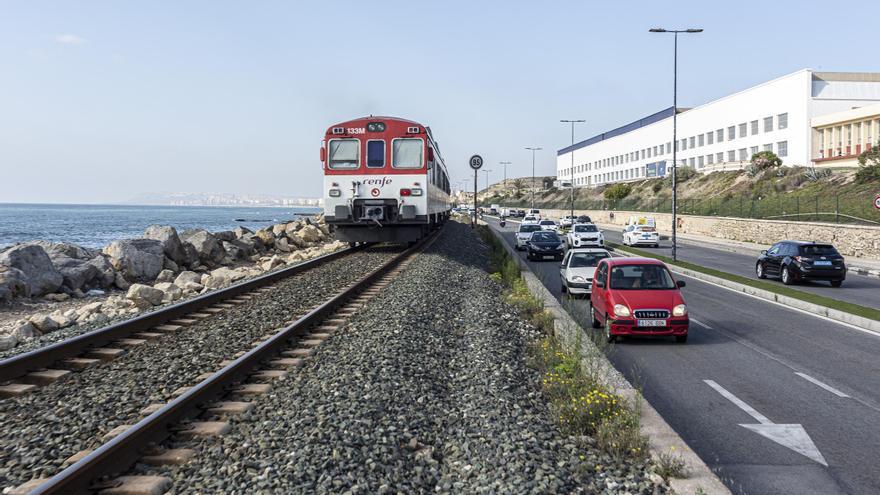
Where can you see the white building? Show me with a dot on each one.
(722, 134)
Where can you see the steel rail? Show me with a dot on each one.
(123, 451)
(22, 364)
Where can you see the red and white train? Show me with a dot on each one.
(384, 180)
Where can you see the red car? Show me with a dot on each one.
(638, 296)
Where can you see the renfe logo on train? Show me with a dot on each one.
(381, 181)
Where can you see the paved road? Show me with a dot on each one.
(857, 289)
(751, 350)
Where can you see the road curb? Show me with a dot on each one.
(661, 437)
(834, 314)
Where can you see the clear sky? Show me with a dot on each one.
(102, 100)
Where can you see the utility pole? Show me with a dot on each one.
(505, 164)
(674, 127)
(533, 150)
(572, 122)
(487, 181)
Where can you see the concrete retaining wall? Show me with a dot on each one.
(850, 240)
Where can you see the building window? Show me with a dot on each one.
(743, 129)
(668, 148)
(682, 145)
(731, 133)
(691, 162)
(731, 156)
(753, 150)
(700, 161)
(719, 157)
(710, 159)
(691, 141)
(719, 135)
(655, 151)
(768, 124)
(782, 148)
(710, 138)
(768, 147)
(743, 154)
(754, 127)
(782, 121)
(701, 140)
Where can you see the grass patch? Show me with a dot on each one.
(782, 290)
(581, 405)
(670, 465)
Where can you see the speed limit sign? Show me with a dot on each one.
(476, 162)
(877, 201)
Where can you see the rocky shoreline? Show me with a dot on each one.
(46, 286)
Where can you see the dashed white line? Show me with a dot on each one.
(820, 384)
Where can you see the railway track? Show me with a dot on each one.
(230, 390)
(25, 372)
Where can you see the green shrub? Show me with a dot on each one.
(766, 159)
(869, 165)
(616, 192)
(657, 187)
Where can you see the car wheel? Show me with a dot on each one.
(563, 288)
(681, 339)
(759, 271)
(593, 317)
(609, 337)
(836, 283)
(786, 276)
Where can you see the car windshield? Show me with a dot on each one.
(586, 260)
(585, 228)
(641, 277)
(529, 228)
(548, 222)
(541, 236)
(818, 250)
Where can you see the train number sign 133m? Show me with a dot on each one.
(476, 162)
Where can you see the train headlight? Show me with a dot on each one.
(415, 191)
(376, 127)
(335, 193)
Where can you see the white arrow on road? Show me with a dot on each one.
(792, 436)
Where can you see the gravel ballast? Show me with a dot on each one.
(39, 430)
(425, 389)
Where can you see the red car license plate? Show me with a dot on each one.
(651, 323)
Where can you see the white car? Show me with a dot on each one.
(524, 233)
(567, 221)
(549, 225)
(578, 267)
(641, 235)
(530, 219)
(535, 213)
(585, 234)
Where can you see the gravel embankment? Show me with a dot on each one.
(426, 389)
(38, 431)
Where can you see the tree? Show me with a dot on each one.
(617, 191)
(765, 159)
(869, 165)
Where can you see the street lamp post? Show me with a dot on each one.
(533, 150)
(487, 180)
(572, 122)
(674, 126)
(505, 164)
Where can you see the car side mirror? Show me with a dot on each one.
(680, 283)
(562, 266)
(764, 252)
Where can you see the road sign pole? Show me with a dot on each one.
(476, 162)
(474, 222)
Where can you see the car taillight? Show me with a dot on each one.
(405, 192)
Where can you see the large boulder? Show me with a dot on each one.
(66, 249)
(238, 249)
(76, 273)
(266, 237)
(13, 283)
(8, 341)
(225, 235)
(106, 272)
(242, 231)
(35, 264)
(293, 227)
(279, 229)
(187, 276)
(171, 291)
(144, 296)
(171, 243)
(207, 247)
(281, 244)
(137, 260)
(310, 233)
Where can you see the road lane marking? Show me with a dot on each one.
(820, 384)
(739, 403)
(792, 436)
(698, 322)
